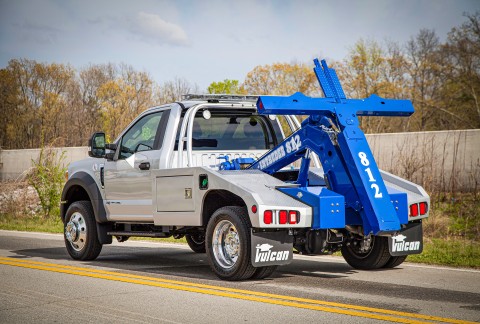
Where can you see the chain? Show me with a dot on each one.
(331, 132)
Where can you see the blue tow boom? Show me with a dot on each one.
(356, 193)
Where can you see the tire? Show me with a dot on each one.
(228, 244)
(376, 257)
(80, 232)
(395, 261)
(264, 272)
(196, 242)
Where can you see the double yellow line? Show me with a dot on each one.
(290, 301)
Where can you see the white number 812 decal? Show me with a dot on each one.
(365, 162)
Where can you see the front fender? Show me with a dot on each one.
(86, 182)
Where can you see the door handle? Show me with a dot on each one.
(144, 166)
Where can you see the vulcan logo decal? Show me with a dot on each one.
(264, 254)
(399, 244)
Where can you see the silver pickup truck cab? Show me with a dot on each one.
(163, 176)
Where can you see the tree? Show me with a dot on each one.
(225, 87)
(9, 109)
(370, 69)
(280, 79)
(90, 80)
(40, 93)
(425, 75)
(462, 69)
(173, 90)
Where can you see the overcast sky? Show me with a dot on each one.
(205, 41)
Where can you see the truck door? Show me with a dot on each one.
(128, 186)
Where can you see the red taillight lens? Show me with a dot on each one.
(282, 215)
(414, 210)
(292, 217)
(267, 217)
(423, 208)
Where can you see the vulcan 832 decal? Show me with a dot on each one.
(292, 145)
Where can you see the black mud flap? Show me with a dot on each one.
(271, 248)
(408, 241)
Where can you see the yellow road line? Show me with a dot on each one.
(230, 292)
(247, 292)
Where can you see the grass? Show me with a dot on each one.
(449, 252)
(31, 224)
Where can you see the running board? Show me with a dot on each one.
(140, 234)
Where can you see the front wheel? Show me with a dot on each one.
(80, 232)
(228, 244)
(375, 257)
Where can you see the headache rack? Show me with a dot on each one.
(214, 98)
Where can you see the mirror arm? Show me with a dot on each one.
(111, 146)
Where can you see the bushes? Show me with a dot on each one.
(47, 178)
(454, 218)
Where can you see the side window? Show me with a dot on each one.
(141, 136)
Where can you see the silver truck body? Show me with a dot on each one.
(157, 196)
(162, 177)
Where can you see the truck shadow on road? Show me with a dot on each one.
(181, 262)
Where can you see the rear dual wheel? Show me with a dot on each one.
(395, 261)
(375, 257)
(228, 246)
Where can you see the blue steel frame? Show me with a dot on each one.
(332, 132)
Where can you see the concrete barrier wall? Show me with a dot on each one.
(14, 163)
(444, 160)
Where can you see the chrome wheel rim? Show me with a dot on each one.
(226, 244)
(76, 231)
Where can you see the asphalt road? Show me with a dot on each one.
(167, 283)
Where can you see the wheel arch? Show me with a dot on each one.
(218, 198)
(81, 186)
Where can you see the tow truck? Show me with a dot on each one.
(220, 171)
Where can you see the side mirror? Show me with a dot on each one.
(96, 145)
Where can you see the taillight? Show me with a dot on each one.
(414, 210)
(423, 208)
(292, 217)
(282, 216)
(267, 216)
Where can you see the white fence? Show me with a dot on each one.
(443, 160)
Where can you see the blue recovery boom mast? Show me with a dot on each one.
(351, 173)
